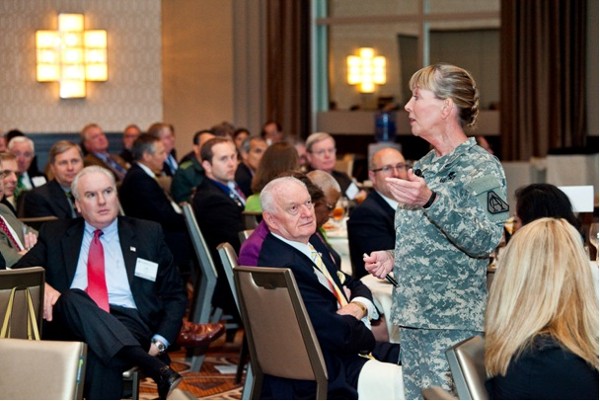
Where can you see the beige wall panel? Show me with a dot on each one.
(197, 66)
(133, 91)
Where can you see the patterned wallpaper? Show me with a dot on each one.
(133, 91)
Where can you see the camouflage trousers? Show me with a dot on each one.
(424, 362)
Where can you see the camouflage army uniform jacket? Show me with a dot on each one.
(441, 252)
(187, 177)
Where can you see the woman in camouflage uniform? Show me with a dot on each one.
(451, 212)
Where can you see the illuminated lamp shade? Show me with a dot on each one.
(71, 56)
(366, 70)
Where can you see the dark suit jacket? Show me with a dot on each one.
(92, 160)
(243, 177)
(341, 337)
(47, 200)
(220, 220)
(161, 304)
(370, 228)
(142, 196)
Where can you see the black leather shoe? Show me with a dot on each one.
(168, 380)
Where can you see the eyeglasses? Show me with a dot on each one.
(388, 168)
(322, 152)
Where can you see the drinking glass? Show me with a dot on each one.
(340, 210)
(594, 237)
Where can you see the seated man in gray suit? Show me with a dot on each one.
(371, 224)
(110, 282)
(16, 238)
(54, 198)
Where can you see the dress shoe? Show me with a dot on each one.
(167, 381)
(199, 334)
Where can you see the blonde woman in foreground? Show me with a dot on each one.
(542, 317)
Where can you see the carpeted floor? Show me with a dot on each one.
(216, 379)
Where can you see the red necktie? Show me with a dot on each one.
(95, 269)
(6, 231)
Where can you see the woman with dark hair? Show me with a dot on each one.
(542, 200)
(278, 158)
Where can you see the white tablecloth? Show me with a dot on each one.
(382, 295)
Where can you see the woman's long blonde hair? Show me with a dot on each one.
(543, 285)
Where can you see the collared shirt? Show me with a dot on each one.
(172, 163)
(372, 313)
(225, 188)
(393, 204)
(119, 292)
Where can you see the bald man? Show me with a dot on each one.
(371, 225)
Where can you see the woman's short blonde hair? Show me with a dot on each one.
(543, 285)
(448, 81)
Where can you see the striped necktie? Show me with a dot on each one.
(316, 257)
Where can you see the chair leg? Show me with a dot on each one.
(196, 362)
(248, 384)
(242, 361)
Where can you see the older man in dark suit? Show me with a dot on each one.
(143, 197)
(371, 224)
(95, 143)
(340, 307)
(110, 282)
(54, 198)
(218, 206)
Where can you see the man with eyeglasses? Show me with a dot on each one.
(371, 224)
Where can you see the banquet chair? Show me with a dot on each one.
(284, 334)
(245, 234)
(467, 367)
(29, 277)
(202, 310)
(37, 222)
(251, 219)
(229, 259)
(42, 370)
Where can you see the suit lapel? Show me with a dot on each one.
(71, 246)
(59, 196)
(128, 247)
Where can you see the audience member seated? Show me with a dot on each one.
(34, 169)
(130, 134)
(218, 206)
(166, 133)
(272, 133)
(54, 198)
(541, 321)
(128, 314)
(300, 146)
(332, 193)
(321, 154)
(278, 158)
(96, 144)
(250, 248)
(190, 172)
(239, 136)
(251, 151)
(224, 129)
(142, 196)
(9, 179)
(16, 238)
(340, 308)
(24, 150)
(371, 224)
(535, 201)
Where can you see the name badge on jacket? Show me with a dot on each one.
(146, 269)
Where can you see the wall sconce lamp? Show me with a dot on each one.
(366, 70)
(71, 56)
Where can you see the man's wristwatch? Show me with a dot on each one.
(161, 347)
